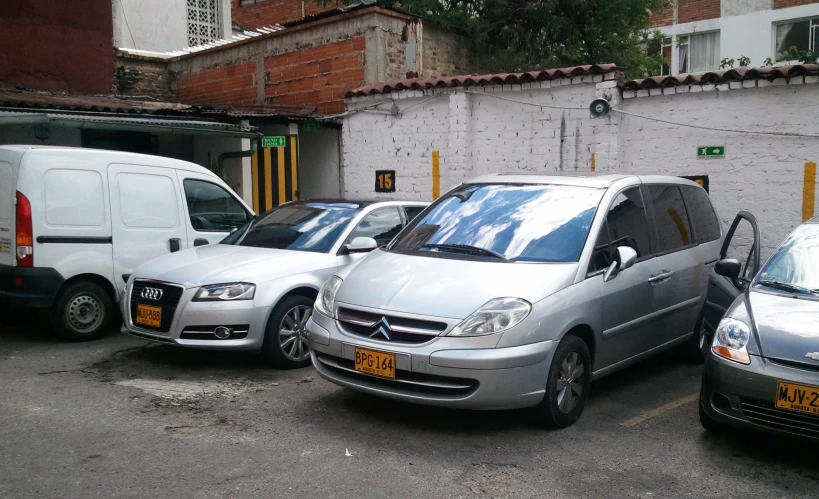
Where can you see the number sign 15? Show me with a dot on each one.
(385, 181)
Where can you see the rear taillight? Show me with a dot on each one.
(25, 236)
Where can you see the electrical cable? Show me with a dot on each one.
(122, 8)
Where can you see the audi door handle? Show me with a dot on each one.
(661, 277)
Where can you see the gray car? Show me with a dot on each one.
(515, 291)
(763, 369)
(255, 290)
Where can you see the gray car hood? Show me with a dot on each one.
(787, 328)
(222, 263)
(447, 287)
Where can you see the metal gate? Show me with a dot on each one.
(275, 172)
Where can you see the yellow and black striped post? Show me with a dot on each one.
(275, 173)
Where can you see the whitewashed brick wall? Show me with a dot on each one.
(477, 134)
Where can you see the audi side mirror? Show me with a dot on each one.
(361, 245)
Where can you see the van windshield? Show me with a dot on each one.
(303, 227)
(506, 222)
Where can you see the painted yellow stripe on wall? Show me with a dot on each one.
(281, 166)
(294, 168)
(680, 226)
(254, 174)
(436, 175)
(268, 180)
(809, 191)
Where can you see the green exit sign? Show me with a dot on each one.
(273, 141)
(711, 152)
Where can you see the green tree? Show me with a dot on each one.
(526, 35)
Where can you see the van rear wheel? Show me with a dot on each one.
(82, 312)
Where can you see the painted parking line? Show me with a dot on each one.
(660, 410)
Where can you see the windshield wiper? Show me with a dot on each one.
(791, 288)
(467, 250)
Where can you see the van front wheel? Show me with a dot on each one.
(82, 312)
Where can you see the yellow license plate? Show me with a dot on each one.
(148, 315)
(794, 397)
(375, 362)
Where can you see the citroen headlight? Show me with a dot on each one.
(226, 292)
(494, 316)
(731, 340)
(327, 295)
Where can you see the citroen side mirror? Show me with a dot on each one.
(624, 258)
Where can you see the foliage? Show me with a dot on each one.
(743, 62)
(768, 62)
(803, 56)
(726, 63)
(526, 35)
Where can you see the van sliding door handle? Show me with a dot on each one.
(661, 277)
(175, 243)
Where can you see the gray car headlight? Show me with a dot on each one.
(226, 292)
(494, 316)
(731, 340)
(327, 296)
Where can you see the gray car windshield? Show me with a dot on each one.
(793, 268)
(303, 227)
(505, 222)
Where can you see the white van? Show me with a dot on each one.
(75, 222)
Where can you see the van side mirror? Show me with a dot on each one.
(361, 245)
(624, 258)
(728, 267)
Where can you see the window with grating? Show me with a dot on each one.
(203, 22)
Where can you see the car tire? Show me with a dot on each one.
(695, 350)
(562, 405)
(81, 312)
(285, 339)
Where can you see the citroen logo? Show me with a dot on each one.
(384, 329)
(813, 356)
(151, 294)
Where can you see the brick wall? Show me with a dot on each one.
(228, 84)
(477, 134)
(664, 17)
(447, 53)
(142, 76)
(782, 4)
(267, 12)
(318, 76)
(54, 45)
(697, 10)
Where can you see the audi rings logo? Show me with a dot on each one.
(151, 294)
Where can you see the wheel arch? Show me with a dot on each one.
(585, 333)
(97, 279)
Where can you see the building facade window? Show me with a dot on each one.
(203, 22)
(796, 36)
(665, 49)
(698, 53)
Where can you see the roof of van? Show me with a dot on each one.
(148, 159)
(580, 179)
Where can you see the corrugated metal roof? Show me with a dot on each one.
(103, 104)
(720, 77)
(483, 80)
(260, 111)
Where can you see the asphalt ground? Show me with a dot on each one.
(122, 417)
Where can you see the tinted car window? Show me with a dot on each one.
(706, 224)
(794, 262)
(413, 211)
(626, 225)
(670, 217)
(382, 225)
(520, 223)
(212, 208)
(304, 227)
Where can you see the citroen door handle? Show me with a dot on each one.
(661, 277)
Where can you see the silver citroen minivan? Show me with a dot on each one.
(516, 291)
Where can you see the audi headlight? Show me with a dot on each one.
(226, 292)
(494, 316)
(731, 340)
(327, 295)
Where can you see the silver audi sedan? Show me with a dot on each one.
(516, 290)
(763, 369)
(255, 290)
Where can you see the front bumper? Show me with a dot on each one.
(29, 287)
(446, 371)
(745, 396)
(193, 321)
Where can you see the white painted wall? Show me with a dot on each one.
(746, 28)
(479, 134)
(157, 25)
